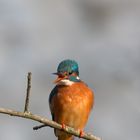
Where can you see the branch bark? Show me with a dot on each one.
(26, 108)
(47, 122)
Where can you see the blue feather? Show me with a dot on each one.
(68, 66)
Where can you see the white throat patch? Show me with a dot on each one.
(66, 82)
(77, 78)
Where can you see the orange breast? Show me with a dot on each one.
(71, 105)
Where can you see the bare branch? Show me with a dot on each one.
(39, 126)
(26, 109)
(47, 122)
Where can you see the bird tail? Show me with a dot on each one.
(62, 135)
(65, 138)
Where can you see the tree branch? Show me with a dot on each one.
(27, 115)
(39, 126)
(47, 122)
(26, 109)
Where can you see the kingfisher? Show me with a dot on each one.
(71, 100)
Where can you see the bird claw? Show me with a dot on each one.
(63, 126)
(81, 133)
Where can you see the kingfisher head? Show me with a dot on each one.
(68, 72)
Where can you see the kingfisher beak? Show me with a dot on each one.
(55, 73)
(59, 78)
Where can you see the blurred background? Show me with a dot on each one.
(103, 36)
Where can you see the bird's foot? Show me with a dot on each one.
(63, 126)
(81, 133)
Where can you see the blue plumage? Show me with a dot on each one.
(74, 79)
(69, 66)
(53, 93)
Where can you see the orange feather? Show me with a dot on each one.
(71, 105)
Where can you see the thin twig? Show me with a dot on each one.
(47, 122)
(38, 127)
(26, 109)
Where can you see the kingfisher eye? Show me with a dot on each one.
(67, 73)
(70, 73)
